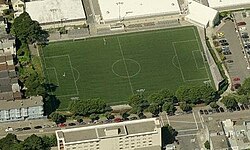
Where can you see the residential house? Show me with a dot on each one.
(31, 108)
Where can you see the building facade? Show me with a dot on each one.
(130, 135)
(31, 108)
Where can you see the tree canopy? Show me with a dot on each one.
(90, 106)
(229, 101)
(33, 142)
(168, 134)
(57, 117)
(27, 30)
(169, 108)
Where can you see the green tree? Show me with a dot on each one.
(138, 103)
(49, 141)
(27, 30)
(208, 94)
(214, 105)
(167, 95)
(207, 145)
(108, 115)
(245, 88)
(90, 106)
(243, 99)
(188, 94)
(229, 101)
(155, 98)
(185, 107)
(154, 109)
(10, 141)
(169, 108)
(168, 134)
(33, 142)
(57, 117)
(125, 115)
(94, 117)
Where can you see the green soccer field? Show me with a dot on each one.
(115, 67)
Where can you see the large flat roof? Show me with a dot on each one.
(25, 103)
(227, 3)
(208, 14)
(49, 11)
(125, 9)
(99, 131)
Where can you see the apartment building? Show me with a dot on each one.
(130, 135)
(31, 108)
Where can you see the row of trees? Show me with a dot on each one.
(32, 80)
(165, 99)
(33, 142)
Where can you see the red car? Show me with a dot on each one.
(118, 120)
(241, 23)
(61, 125)
(236, 79)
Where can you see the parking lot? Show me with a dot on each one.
(235, 60)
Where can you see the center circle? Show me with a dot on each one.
(126, 68)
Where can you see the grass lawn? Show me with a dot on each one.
(115, 67)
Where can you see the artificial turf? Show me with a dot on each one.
(115, 67)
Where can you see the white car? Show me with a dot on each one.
(9, 129)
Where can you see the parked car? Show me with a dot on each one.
(62, 125)
(221, 109)
(246, 107)
(206, 112)
(201, 112)
(133, 118)
(242, 23)
(210, 111)
(9, 129)
(18, 129)
(237, 108)
(242, 107)
(223, 41)
(224, 44)
(217, 110)
(71, 124)
(38, 127)
(118, 120)
(26, 128)
(230, 61)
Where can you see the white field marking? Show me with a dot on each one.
(178, 63)
(195, 121)
(186, 135)
(195, 59)
(145, 32)
(201, 79)
(53, 68)
(58, 56)
(45, 67)
(73, 75)
(174, 63)
(201, 52)
(77, 73)
(167, 118)
(67, 95)
(185, 41)
(125, 65)
(201, 121)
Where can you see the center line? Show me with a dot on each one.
(125, 66)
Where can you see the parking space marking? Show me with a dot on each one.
(167, 118)
(195, 121)
(187, 130)
(201, 119)
(187, 135)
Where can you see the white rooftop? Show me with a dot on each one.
(226, 3)
(112, 9)
(47, 11)
(200, 13)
